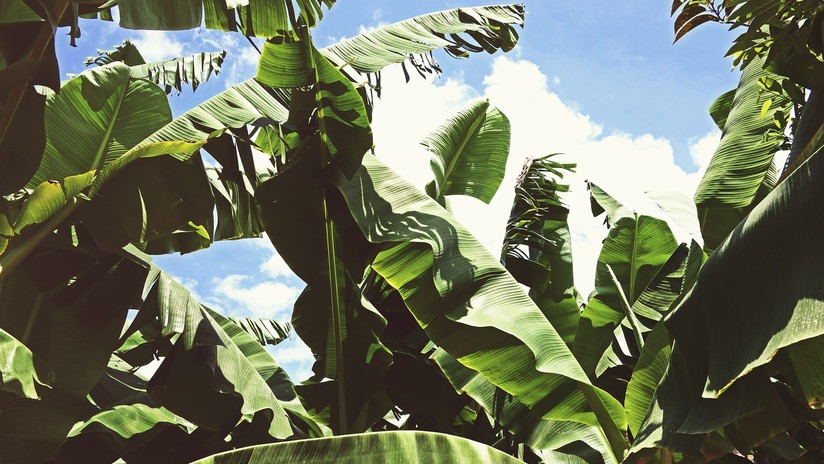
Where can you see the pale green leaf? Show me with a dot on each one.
(21, 371)
(469, 152)
(739, 172)
(395, 447)
(458, 292)
(96, 118)
(490, 27)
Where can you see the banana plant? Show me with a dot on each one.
(83, 203)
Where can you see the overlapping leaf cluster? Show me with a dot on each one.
(414, 326)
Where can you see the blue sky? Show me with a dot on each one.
(598, 80)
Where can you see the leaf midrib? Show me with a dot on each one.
(106, 140)
(460, 150)
(632, 260)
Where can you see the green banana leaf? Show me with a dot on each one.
(170, 74)
(790, 314)
(297, 229)
(193, 69)
(126, 52)
(489, 27)
(636, 249)
(341, 115)
(673, 282)
(72, 328)
(148, 200)
(93, 122)
(214, 353)
(242, 104)
(265, 331)
(260, 18)
(395, 447)
(558, 439)
(237, 215)
(16, 11)
(126, 423)
(720, 108)
(727, 332)
(537, 244)
(649, 370)
(96, 118)
(741, 171)
(469, 305)
(22, 132)
(469, 153)
(20, 370)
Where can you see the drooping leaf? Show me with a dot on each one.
(469, 305)
(237, 215)
(192, 69)
(396, 447)
(558, 439)
(275, 377)
(149, 200)
(489, 29)
(210, 353)
(265, 331)
(738, 174)
(124, 422)
(469, 153)
(726, 331)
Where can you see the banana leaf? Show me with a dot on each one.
(741, 170)
(260, 18)
(537, 244)
(469, 305)
(469, 153)
(396, 447)
(726, 332)
(489, 29)
(73, 308)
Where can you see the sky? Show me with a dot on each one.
(597, 80)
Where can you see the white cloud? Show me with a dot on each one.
(541, 123)
(242, 63)
(275, 267)
(701, 150)
(216, 39)
(267, 299)
(295, 357)
(157, 45)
